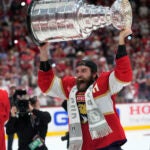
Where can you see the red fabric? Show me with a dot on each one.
(4, 116)
(117, 135)
(123, 70)
(61, 66)
(45, 80)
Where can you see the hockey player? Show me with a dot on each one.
(93, 120)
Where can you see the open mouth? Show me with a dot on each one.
(80, 81)
(81, 84)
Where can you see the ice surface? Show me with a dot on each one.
(137, 140)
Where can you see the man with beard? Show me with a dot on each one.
(93, 120)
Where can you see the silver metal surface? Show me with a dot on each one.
(62, 20)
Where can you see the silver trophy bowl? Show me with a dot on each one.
(63, 20)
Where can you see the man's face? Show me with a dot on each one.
(84, 78)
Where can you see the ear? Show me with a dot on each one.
(95, 76)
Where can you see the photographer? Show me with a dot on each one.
(28, 122)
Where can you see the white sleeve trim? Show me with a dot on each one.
(115, 85)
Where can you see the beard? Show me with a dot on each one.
(83, 84)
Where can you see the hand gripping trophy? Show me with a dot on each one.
(63, 20)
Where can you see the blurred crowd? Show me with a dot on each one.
(19, 56)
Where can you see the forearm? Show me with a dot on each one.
(44, 52)
(121, 52)
(121, 48)
(44, 55)
(121, 40)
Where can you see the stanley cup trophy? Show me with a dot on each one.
(63, 20)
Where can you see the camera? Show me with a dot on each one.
(22, 100)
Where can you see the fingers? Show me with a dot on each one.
(13, 111)
(128, 32)
(125, 32)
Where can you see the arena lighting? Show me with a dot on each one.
(23, 3)
(129, 37)
(53, 65)
(15, 41)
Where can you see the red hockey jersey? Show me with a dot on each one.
(105, 89)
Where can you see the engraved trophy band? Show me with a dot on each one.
(63, 20)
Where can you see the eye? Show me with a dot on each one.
(77, 71)
(84, 70)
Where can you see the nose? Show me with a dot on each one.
(79, 74)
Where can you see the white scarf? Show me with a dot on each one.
(98, 126)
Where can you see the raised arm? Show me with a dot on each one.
(122, 74)
(48, 82)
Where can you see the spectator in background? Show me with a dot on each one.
(140, 78)
(4, 116)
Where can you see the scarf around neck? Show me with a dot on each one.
(98, 126)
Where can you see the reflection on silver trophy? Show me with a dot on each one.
(63, 20)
